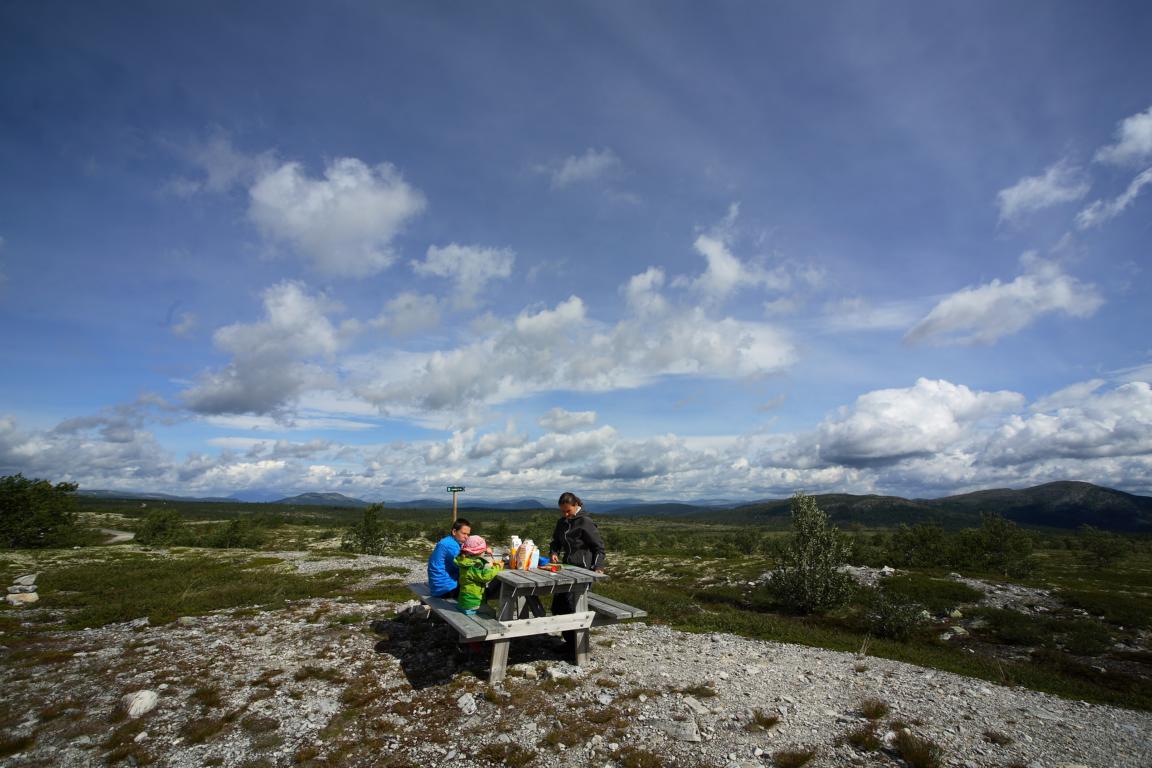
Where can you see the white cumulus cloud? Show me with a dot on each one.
(1133, 144)
(562, 349)
(343, 223)
(578, 169)
(985, 313)
(469, 267)
(564, 421)
(892, 424)
(1102, 211)
(726, 273)
(272, 360)
(1061, 183)
(409, 313)
(1111, 423)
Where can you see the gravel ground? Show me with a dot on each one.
(335, 682)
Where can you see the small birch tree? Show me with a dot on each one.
(809, 578)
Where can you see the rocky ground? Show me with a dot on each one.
(335, 682)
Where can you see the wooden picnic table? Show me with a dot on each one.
(520, 612)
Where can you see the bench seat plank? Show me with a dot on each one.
(482, 626)
(614, 609)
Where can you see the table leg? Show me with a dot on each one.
(499, 661)
(509, 605)
(581, 636)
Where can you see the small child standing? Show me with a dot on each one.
(476, 571)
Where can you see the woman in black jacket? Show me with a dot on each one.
(575, 541)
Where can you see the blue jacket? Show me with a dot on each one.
(442, 571)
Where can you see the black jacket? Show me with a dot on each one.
(578, 542)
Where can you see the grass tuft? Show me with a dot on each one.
(874, 709)
(793, 758)
(918, 751)
(313, 672)
(762, 721)
(635, 757)
(512, 755)
(864, 738)
(11, 745)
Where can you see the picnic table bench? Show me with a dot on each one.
(520, 612)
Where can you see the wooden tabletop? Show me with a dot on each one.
(542, 580)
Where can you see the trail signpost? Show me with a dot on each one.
(454, 489)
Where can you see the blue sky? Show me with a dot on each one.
(660, 250)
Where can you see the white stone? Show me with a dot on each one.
(685, 731)
(695, 706)
(22, 599)
(467, 704)
(139, 703)
(26, 580)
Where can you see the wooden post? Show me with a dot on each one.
(454, 489)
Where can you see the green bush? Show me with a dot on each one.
(937, 595)
(1123, 610)
(890, 617)
(1085, 637)
(1103, 548)
(35, 513)
(1013, 627)
(809, 578)
(235, 534)
(922, 545)
(373, 534)
(162, 527)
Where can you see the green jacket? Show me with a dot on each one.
(475, 573)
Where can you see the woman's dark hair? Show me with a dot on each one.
(460, 523)
(569, 498)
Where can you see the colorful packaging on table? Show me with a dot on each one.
(529, 555)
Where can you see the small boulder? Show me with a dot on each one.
(686, 730)
(139, 703)
(22, 599)
(467, 704)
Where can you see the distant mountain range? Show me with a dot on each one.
(1064, 504)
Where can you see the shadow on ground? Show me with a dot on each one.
(429, 653)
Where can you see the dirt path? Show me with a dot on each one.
(118, 537)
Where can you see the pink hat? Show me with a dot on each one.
(475, 545)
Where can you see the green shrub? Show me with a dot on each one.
(35, 513)
(1085, 637)
(1103, 548)
(1013, 627)
(373, 535)
(162, 527)
(922, 545)
(235, 534)
(893, 618)
(937, 595)
(1123, 610)
(809, 579)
